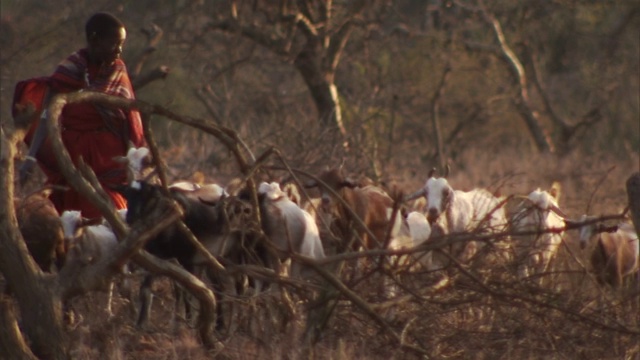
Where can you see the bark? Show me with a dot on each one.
(39, 301)
(324, 92)
(154, 35)
(11, 340)
(138, 80)
(161, 72)
(565, 130)
(435, 118)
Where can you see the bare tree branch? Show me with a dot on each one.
(523, 103)
(12, 342)
(161, 72)
(39, 302)
(435, 116)
(154, 34)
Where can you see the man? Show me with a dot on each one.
(92, 132)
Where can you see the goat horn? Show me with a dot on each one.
(86, 222)
(447, 168)
(415, 195)
(559, 212)
(121, 159)
(431, 173)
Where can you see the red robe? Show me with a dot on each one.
(95, 133)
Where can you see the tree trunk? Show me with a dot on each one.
(321, 86)
(523, 102)
(40, 305)
(12, 342)
(435, 118)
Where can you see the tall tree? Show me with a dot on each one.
(312, 34)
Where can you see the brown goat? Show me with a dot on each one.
(369, 203)
(41, 229)
(615, 255)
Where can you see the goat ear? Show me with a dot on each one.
(121, 159)
(350, 183)
(555, 190)
(415, 195)
(558, 212)
(46, 192)
(86, 222)
(431, 173)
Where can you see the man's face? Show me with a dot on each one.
(108, 48)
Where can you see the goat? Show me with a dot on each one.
(464, 211)
(370, 204)
(411, 232)
(538, 212)
(88, 243)
(206, 222)
(136, 161)
(615, 255)
(41, 229)
(290, 228)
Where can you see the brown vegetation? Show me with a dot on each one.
(419, 87)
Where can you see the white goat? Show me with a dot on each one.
(87, 243)
(290, 228)
(411, 232)
(615, 255)
(539, 213)
(464, 211)
(135, 160)
(408, 233)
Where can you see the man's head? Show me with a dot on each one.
(105, 37)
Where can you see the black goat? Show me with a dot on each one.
(207, 223)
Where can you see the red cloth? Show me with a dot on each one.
(95, 133)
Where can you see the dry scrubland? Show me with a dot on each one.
(484, 312)
(584, 53)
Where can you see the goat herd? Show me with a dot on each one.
(347, 216)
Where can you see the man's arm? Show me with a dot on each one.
(39, 136)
